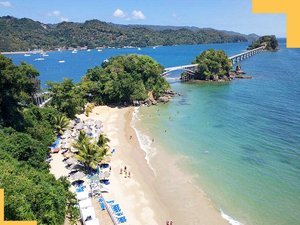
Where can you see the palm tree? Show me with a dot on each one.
(90, 154)
(103, 141)
(61, 123)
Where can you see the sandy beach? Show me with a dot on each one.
(147, 197)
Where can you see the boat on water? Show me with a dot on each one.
(45, 55)
(61, 61)
(74, 51)
(39, 59)
(26, 55)
(139, 49)
(99, 50)
(88, 50)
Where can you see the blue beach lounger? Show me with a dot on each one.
(121, 219)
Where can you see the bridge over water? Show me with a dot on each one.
(192, 68)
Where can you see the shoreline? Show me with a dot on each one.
(152, 195)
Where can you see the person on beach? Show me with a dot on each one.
(121, 171)
(171, 222)
(109, 168)
(125, 168)
(125, 172)
(167, 223)
(130, 137)
(128, 174)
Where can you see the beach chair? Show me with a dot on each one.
(119, 214)
(116, 208)
(121, 219)
(110, 201)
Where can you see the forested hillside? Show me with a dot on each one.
(24, 34)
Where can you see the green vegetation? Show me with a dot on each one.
(124, 79)
(26, 131)
(90, 153)
(23, 34)
(67, 97)
(212, 65)
(15, 94)
(269, 41)
(121, 79)
(61, 123)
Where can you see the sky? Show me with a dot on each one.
(232, 15)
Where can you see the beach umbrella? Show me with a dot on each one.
(75, 167)
(74, 150)
(71, 161)
(79, 126)
(78, 175)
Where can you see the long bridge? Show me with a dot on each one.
(192, 68)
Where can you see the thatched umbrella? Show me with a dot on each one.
(71, 161)
(77, 176)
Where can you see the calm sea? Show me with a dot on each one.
(242, 138)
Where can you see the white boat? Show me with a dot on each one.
(39, 59)
(74, 51)
(45, 55)
(88, 50)
(26, 55)
(61, 61)
(99, 50)
(139, 49)
(154, 47)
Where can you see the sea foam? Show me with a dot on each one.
(230, 219)
(145, 141)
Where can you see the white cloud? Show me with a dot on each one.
(6, 4)
(138, 15)
(119, 13)
(57, 14)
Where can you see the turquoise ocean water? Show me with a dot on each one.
(242, 138)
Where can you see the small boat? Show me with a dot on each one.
(88, 50)
(45, 55)
(139, 49)
(26, 55)
(74, 51)
(154, 47)
(39, 59)
(99, 50)
(61, 61)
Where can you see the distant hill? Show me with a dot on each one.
(24, 34)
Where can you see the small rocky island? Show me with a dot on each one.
(215, 65)
(270, 43)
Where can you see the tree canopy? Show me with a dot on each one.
(124, 79)
(26, 131)
(269, 41)
(18, 84)
(212, 65)
(67, 97)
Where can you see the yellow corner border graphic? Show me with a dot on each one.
(2, 222)
(290, 8)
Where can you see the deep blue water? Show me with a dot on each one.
(242, 138)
